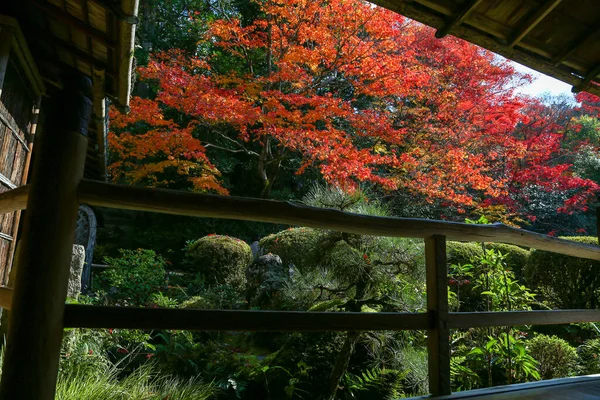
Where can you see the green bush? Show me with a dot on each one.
(589, 357)
(516, 257)
(298, 246)
(556, 357)
(222, 297)
(565, 281)
(221, 260)
(461, 253)
(135, 276)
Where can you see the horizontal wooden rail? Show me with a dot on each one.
(6, 295)
(14, 199)
(83, 316)
(519, 318)
(249, 209)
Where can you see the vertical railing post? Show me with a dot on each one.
(36, 320)
(438, 342)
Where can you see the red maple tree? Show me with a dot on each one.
(358, 93)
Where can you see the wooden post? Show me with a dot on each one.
(438, 342)
(36, 321)
(598, 220)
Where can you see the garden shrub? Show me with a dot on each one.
(556, 357)
(135, 276)
(589, 357)
(196, 302)
(298, 246)
(461, 253)
(222, 260)
(223, 297)
(516, 257)
(567, 282)
(344, 260)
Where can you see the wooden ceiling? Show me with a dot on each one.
(559, 38)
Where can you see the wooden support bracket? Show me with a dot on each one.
(13, 200)
(6, 295)
(533, 21)
(458, 18)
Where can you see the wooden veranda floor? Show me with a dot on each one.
(576, 388)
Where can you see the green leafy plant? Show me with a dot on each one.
(589, 357)
(135, 276)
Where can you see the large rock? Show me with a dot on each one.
(265, 278)
(77, 263)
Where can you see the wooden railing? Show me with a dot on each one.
(437, 321)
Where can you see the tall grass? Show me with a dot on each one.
(143, 384)
(87, 374)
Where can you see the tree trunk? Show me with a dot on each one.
(341, 363)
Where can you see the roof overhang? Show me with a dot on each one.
(93, 37)
(559, 38)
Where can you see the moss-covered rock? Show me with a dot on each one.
(266, 277)
(565, 281)
(301, 247)
(222, 260)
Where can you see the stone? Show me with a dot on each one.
(265, 278)
(77, 263)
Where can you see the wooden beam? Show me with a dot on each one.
(72, 49)
(7, 182)
(520, 318)
(35, 326)
(458, 18)
(6, 298)
(533, 21)
(74, 22)
(249, 209)
(589, 77)
(438, 342)
(115, 8)
(100, 120)
(82, 316)
(572, 49)
(13, 129)
(15, 199)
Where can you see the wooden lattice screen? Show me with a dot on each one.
(19, 108)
